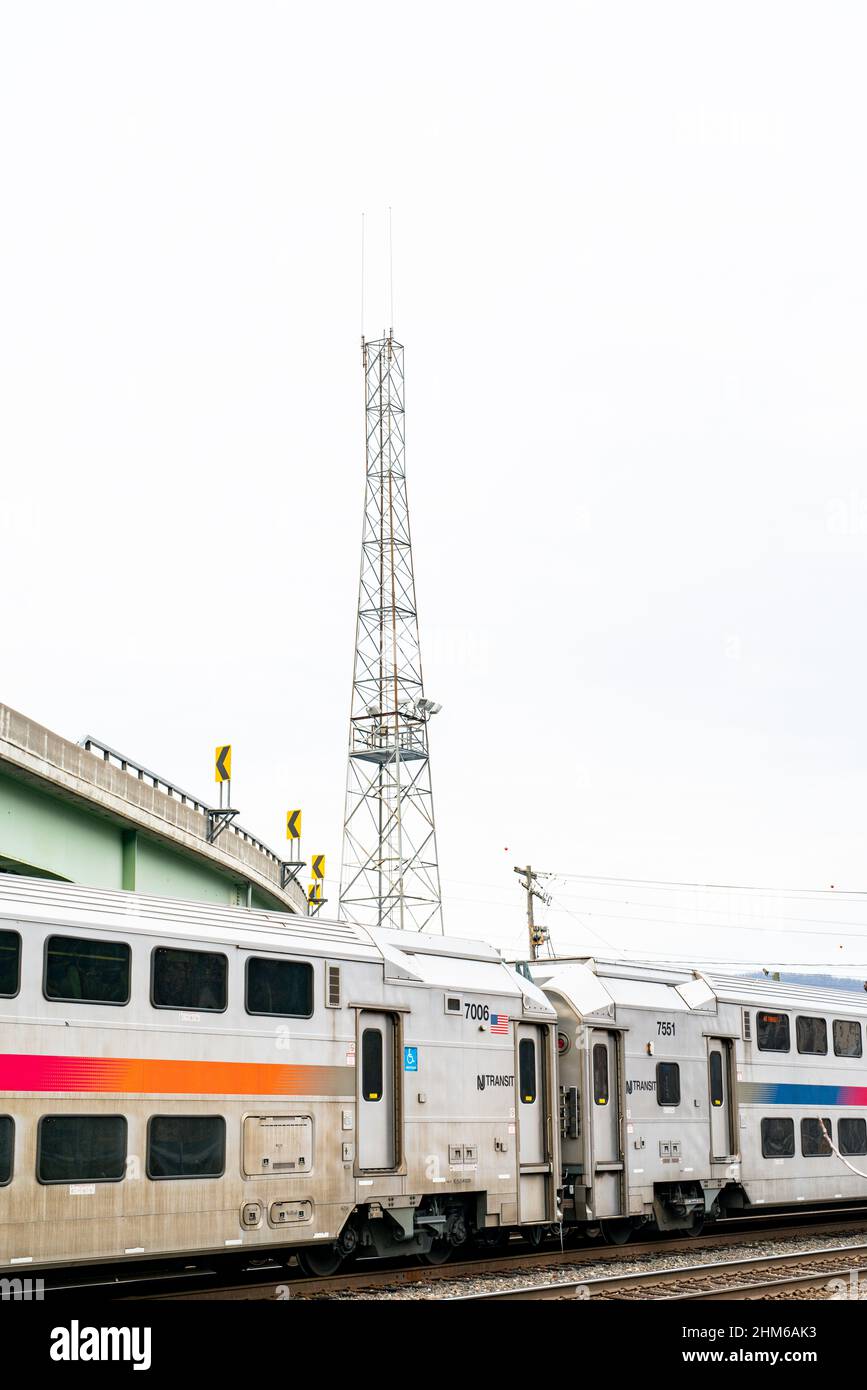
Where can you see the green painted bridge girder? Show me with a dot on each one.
(49, 838)
(69, 813)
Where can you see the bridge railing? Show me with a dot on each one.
(162, 784)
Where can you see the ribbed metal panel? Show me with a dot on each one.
(776, 994)
(37, 897)
(737, 989)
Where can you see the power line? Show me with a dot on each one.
(704, 911)
(711, 887)
(586, 927)
(685, 960)
(785, 893)
(559, 905)
(732, 926)
(806, 895)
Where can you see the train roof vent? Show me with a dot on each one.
(748, 1027)
(332, 990)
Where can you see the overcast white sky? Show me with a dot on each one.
(630, 277)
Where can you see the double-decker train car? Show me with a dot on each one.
(177, 1078)
(685, 1095)
(180, 1080)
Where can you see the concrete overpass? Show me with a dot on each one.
(86, 814)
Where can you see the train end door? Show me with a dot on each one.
(608, 1174)
(723, 1134)
(536, 1195)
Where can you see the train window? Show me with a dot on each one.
(527, 1070)
(717, 1091)
(371, 1064)
(813, 1142)
(81, 971)
(852, 1136)
(7, 1148)
(772, 1032)
(281, 988)
(667, 1083)
(600, 1074)
(186, 1146)
(189, 979)
(10, 963)
(81, 1148)
(847, 1038)
(778, 1137)
(812, 1035)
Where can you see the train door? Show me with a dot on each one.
(607, 1180)
(377, 1149)
(719, 1054)
(534, 1166)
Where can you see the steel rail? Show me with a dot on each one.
(836, 1259)
(286, 1280)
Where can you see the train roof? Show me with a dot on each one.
(452, 962)
(597, 986)
(71, 904)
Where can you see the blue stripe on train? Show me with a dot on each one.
(798, 1093)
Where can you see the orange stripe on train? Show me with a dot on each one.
(169, 1076)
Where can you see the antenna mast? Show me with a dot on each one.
(389, 875)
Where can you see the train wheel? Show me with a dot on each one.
(697, 1226)
(320, 1260)
(533, 1235)
(438, 1253)
(616, 1232)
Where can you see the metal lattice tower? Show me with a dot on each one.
(389, 875)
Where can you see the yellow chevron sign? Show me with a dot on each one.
(223, 763)
(314, 893)
(318, 866)
(293, 825)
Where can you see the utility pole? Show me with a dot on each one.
(538, 934)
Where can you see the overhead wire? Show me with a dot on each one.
(559, 906)
(706, 887)
(694, 909)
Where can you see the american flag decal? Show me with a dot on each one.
(499, 1023)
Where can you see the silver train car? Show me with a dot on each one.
(178, 1079)
(684, 1096)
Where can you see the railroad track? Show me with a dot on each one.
(283, 1282)
(791, 1274)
